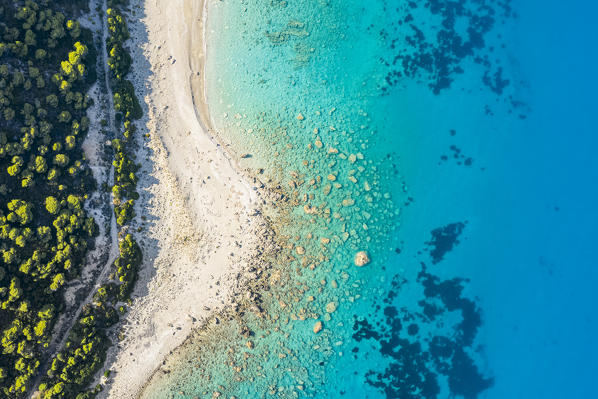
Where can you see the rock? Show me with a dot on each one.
(362, 258)
(249, 344)
(331, 307)
(300, 250)
(348, 202)
(310, 210)
(300, 117)
(317, 327)
(245, 332)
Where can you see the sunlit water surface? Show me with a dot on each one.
(454, 141)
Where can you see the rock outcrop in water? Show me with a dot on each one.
(362, 258)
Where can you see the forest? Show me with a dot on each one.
(47, 66)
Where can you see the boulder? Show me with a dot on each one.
(317, 327)
(362, 258)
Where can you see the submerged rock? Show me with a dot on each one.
(362, 258)
(348, 202)
(317, 327)
(331, 307)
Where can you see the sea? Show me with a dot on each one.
(453, 142)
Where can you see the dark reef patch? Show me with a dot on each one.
(427, 341)
(444, 240)
(495, 81)
(432, 42)
(449, 292)
(441, 35)
(457, 156)
(420, 355)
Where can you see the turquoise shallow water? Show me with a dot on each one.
(451, 140)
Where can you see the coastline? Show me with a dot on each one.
(183, 373)
(197, 212)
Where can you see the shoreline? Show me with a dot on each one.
(196, 210)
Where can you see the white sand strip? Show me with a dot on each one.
(198, 229)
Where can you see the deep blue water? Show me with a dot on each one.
(477, 119)
(529, 244)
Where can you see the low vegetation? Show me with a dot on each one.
(74, 367)
(47, 65)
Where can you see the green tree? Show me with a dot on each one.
(21, 212)
(61, 159)
(52, 205)
(41, 166)
(57, 282)
(64, 117)
(52, 100)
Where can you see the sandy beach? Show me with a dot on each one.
(195, 210)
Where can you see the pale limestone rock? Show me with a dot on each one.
(317, 327)
(361, 258)
(331, 307)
